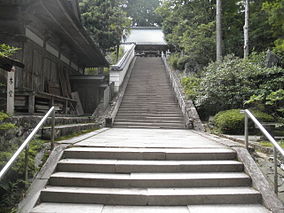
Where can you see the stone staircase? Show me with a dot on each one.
(149, 177)
(149, 101)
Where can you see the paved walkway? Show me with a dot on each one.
(160, 138)
(149, 138)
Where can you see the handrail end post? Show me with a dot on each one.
(246, 131)
(275, 170)
(52, 129)
(26, 178)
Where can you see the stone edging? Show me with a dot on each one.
(188, 109)
(270, 199)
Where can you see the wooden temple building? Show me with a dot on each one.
(54, 47)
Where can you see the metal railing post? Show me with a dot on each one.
(246, 131)
(52, 129)
(24, 146)
(26, 165)
(275, 170)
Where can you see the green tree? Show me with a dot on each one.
(190, 27)
(275, 11)
(142, 12)
(105, 20)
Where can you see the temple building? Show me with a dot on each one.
(54, 47)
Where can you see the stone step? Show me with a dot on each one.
(135, 124)
(151, 196)
(64, 130)
(140, 117)
(149, 114)
(161, 111)
(150, 106)
(143, 103)
(145, 166)
(151, 121)
(146, 180)
(148, 127)
(149, 153)
(98, 208)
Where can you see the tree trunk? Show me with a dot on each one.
(219, 30)
(246, 29)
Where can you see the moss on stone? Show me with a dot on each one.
(66, 137)
(3, 116)
(7, 126)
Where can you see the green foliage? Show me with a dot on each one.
(271, 102)
(189, 26)
(142, 12)
(182, 61)
(274, 9)
(173, 60)
(228, 84)
(12, 187)
(6, 50)
(269, 144)
(6, 126)
(232, 121)
(191, 86)
(76, 134)
(3, 116)
(105, 20)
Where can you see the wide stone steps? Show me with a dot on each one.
(107, 177)
(147, 118)
(127, 166)
(151, 120)
(98, 208)
(149, 125)
(149, 114)
(149, 154)
(154, 180)
(149, 92)
(151, 196)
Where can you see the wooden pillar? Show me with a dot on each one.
(11, 91)
(31, 103)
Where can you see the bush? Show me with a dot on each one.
(3, 116)
(182, 61)
(173, 59)
(190, 86)
(232, 121)
(228, 84)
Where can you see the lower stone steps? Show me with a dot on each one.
(145, 166)
(154, 180)
(99, 208)
(151, 196)
(150, 124)
(149, 154)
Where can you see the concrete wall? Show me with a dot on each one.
(118, 71)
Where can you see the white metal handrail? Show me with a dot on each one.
(26, 143)
(276, 147)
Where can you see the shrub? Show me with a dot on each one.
(182, 61)
(173, 59)
(3, 116)
(228, 84)
(190, 86)
(232, 121)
